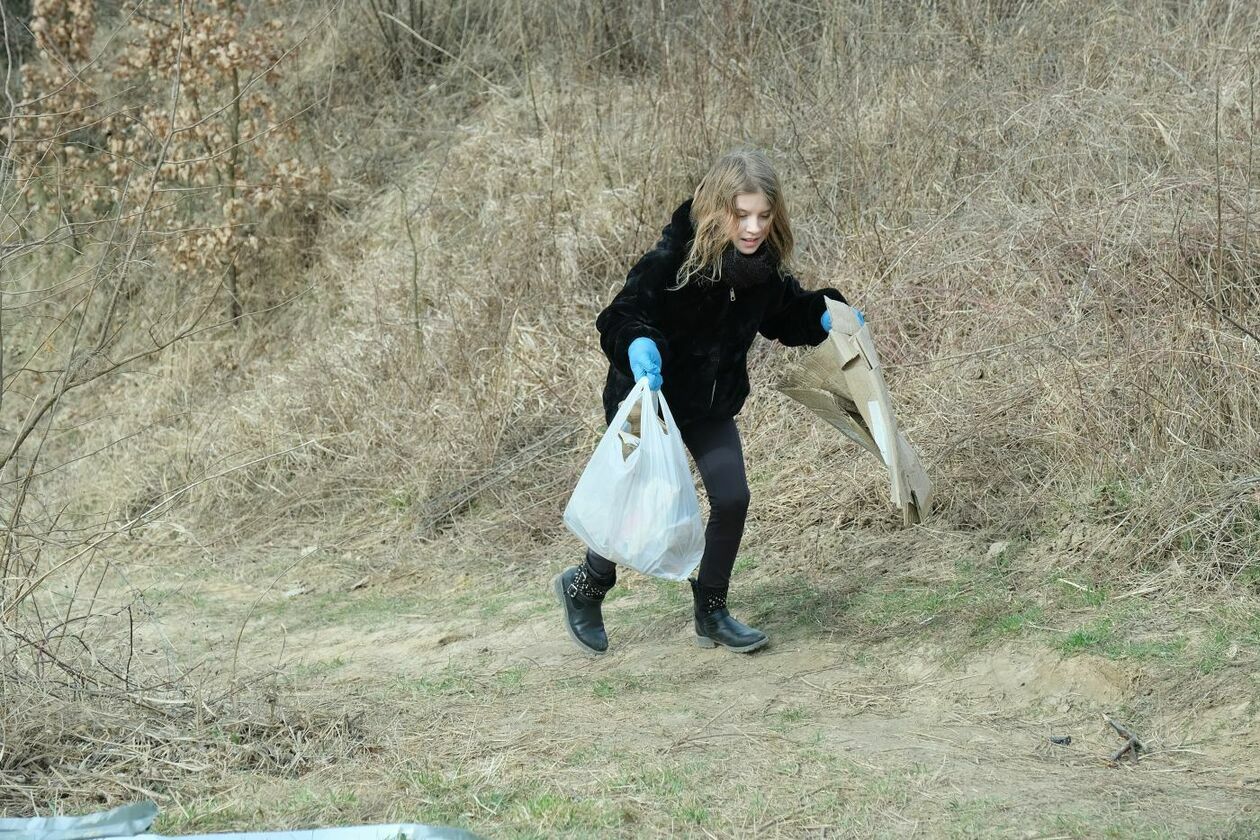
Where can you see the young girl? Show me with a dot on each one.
(685, 319)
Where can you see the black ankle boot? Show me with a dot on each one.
(716, 626)
(581, 594)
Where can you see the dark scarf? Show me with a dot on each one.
(739, 271)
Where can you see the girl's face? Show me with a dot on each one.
(752, 221)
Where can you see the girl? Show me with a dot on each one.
(685, 319)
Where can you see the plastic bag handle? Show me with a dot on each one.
(663, 424)
(635, 397)
(648, 401)
(627, 405)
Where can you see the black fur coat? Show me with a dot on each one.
(702, 330)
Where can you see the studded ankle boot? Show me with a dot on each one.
(581, 594)
(716, 626)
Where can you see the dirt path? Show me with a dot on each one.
(482, 713)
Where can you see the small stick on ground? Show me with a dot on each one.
(1133, 745)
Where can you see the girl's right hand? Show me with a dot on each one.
(645, 360)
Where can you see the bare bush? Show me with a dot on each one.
(130, 159)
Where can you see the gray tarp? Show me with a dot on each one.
(133, 821)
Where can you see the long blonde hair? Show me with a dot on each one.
(713, 212)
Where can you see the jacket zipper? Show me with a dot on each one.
(713, 390)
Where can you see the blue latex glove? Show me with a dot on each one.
(826, 319)
(645, 360)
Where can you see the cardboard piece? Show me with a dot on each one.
(841, 381)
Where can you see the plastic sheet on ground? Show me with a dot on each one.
(133, 821)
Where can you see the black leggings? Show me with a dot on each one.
(715, 446)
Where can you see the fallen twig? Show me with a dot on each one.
(1132, 744)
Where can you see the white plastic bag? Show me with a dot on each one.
(640, 510)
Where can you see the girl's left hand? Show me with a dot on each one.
(826, 319)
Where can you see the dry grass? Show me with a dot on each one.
(1047, 211)
(94, 752)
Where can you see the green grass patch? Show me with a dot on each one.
(1089, 637)
(1214, 653)
(1231, 631)
(681, 790)
(692, 814)
(401, 499)
(612, 685)
(1148, 649)
(510, 680)
(789, 604)
(665, 783)
(745, 563)
(793, 714)
(1089, 827)
(451, 681)
(546, 813)
(1102, 636)
(908, 609)
(974, 817)
(604, 689)
(789, 718)
(317, 804)
(450, 798)
(1007, 620)
(1074, 593)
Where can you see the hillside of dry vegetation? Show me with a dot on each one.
(317, 323)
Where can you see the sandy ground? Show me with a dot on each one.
(482, 713)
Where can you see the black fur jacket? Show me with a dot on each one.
(702, 330)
